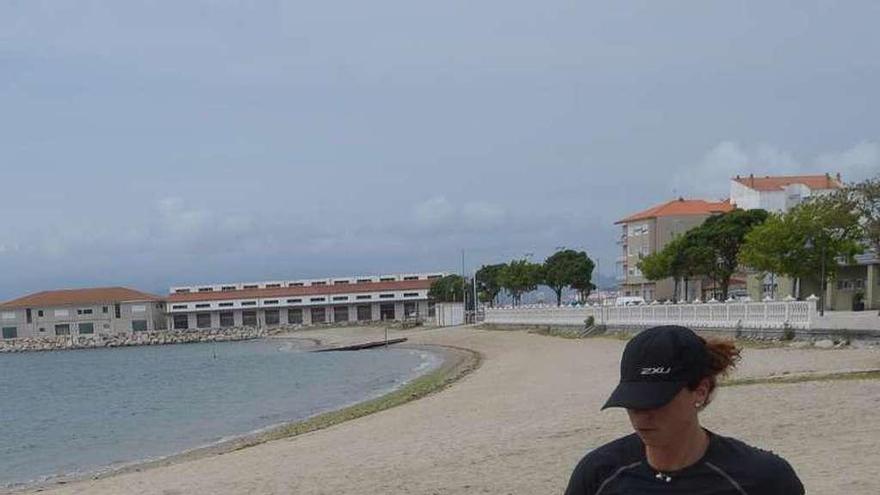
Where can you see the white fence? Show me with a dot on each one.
(791, 314)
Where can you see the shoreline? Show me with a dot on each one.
(456, 363)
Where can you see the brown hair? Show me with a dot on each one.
(723, 356)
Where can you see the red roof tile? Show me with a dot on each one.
(300, 291)
(67, 297)
(680, 207)
(778, 182)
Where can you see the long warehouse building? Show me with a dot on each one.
(301, 302)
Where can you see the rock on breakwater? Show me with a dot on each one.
(162, 337)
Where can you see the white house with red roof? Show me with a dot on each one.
(779, 193)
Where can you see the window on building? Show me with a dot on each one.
(387, 279)
(203, 305)
(10, 332)
(295, 316)
(181, 291)
(251, 286)
(28, 315)
(319, 315)
(104, 310)
(138, 325)
(117, 309)
(227, 319)
(227, 288)
(226, 304)
(181, 322)
(340, 313)
(340, 282)
(844, 285)
(410, 309)
(272, 317)
(319, 283)
(858, 284)
(411, 277)
(271, 301)
(206, 289)
(410, 294)
(432, 277)
(86, 328)
(364, 297)
(364, 280)
(203, 320)
(179, 306)
(273, 286)
(40, 312)
(317, 299)
(295, 284)
(249, 303)
(249, 318)
(386, 296)
(364, 312)
(62, 329)
(340, 298)
(386, 311)
(294, 301)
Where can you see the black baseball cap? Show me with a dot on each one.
(656, 364)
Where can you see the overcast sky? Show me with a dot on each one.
(149, 144)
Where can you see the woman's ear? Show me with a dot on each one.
(704, 388)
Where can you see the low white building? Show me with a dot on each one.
(301, 302)
(779, 193)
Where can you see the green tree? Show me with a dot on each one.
(675, 260)
(451, 288)
(519, 277)
(488, 282)
(805, 241)
(717, 242)
(865, 199)
(568, 268)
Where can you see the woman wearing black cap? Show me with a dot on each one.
(667, 376)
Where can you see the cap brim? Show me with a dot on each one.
(643, 395)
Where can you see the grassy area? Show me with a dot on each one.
(800, 378)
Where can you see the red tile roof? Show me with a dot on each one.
(680, 207)
(69, 297)
(300, 291)
(778, 182)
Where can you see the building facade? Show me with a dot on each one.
(648, 232)
(108, 311)
(301, 302)
(779, 193)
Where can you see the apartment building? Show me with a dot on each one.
(301, 302)
(107, 310)
(647, 232)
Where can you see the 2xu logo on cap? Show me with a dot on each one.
(656, 370)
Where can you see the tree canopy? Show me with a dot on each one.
(568, 268)
(489, 283)
(709, 250)
(450, 288)
(803, 240)
(519, 277)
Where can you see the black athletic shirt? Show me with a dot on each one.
(728, 467)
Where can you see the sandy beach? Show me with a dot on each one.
(519, 423)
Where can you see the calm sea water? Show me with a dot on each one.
(80, 411)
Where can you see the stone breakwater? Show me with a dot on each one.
(162, 337)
